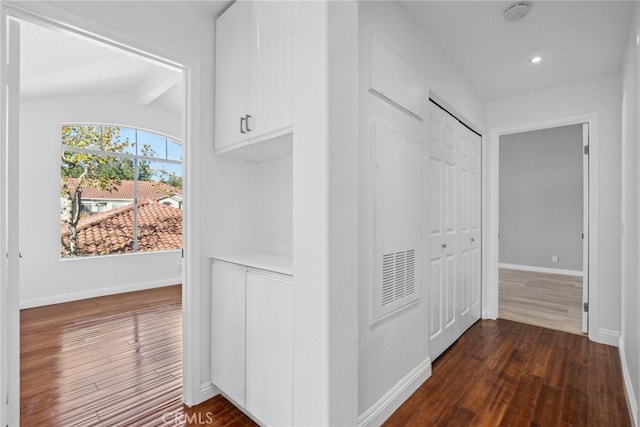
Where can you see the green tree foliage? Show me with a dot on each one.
(169, 177)
(145, 173)
(80, 170)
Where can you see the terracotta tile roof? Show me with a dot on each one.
(146, 190)
(111, 232)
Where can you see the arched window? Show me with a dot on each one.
(121, 191)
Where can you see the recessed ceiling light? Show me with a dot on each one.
(536, 59)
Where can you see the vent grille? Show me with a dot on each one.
(398, 276)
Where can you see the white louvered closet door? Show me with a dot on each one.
(454, 229)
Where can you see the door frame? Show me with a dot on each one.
(56, 18)
(9, 218)
(591, 235)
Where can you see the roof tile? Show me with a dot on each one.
(146, 190)
(111, 232)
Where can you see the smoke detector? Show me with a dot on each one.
(515, 11)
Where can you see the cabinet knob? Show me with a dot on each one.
(242, 121)
(248, 123)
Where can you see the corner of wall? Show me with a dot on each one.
(628, 385)
(396, 396)
(606, 336)
(208, 390)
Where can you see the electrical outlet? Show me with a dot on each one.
(554, 258)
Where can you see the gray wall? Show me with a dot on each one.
(541, 198)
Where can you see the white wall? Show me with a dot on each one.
(325, 213)
(273, 212)
(541, 198)
(45, 278)
(600, 96)
(630, 334)
(393, 350)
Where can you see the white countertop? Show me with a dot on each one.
(276, 263)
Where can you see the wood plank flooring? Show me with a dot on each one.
(503, 373)
(549, 300)
(116, 361)
(110, 361)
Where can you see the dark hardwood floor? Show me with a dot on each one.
(110, 361)
(116, 361)
(503, 373)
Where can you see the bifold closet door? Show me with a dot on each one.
(469, 178)
(454, 229)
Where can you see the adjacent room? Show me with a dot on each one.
(101, 232)
(542, 227)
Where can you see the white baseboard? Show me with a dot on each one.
(74, 296)
(541, 269)
(606, 336)
(207, 391)
(383, 408)
(486, 314)
(628, 386)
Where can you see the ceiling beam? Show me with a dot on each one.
(154, 87)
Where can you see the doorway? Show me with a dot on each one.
(13, 18)
(544, 227)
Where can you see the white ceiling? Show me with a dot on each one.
(576, 40)
(54, 63)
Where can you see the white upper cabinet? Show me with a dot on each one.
(254, 45)
(233, 33)
(271, 70)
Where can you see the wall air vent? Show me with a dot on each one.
(398, 276)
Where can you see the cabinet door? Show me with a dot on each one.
(271, 67)
(233, 36)
(269, 349)
(228, 293)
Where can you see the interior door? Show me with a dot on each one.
(475, 237)
(443, 251)
(10, 279)
(585, 228)
(469, 236)
(454, 246)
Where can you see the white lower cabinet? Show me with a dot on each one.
(269, 394)
(228, 329)
(252, 342)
